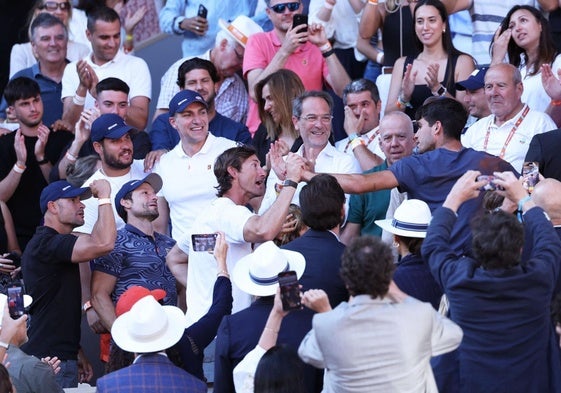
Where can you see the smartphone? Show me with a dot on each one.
(290, 290)
(530, 175)
(491, 185)
(202, 11)
(204, 241)
(15, 301)
(300, 19)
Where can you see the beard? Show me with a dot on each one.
(114, 162)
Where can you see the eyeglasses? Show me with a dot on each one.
(279, 8)
(53, 5)
(325, 119)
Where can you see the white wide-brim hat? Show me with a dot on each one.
(257, 273)
(148, 327)
(241, 28)
(411, 219)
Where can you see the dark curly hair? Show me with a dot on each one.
(497, 238)
(233, 157)
(367, 267)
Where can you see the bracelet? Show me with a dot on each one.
(19, 169)
(523, 201)
(380, 57)
(271, 330)
(325, 47)
(223, 273)
(373, 2)
(328, 53)
(555, 103)
(104, 201)
(129, 37)
(328, 6)
(70, 157)
(44, 161)
(356, 142)
(402, 104)
(4, 344)
(352, 137)
(80, 101)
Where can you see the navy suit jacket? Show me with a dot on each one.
(544, 148)
(151, 373)
(239, 333)
(323, 252)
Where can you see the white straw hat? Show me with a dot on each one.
(257, 272)
(411, 219)
(241, 28)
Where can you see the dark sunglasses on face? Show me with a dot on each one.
(279, 8)
(52, 6)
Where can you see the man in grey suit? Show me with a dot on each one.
(381, 339)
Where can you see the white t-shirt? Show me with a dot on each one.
(534, 94)
(130, 69)
(91, 209)
(189, 182)
(224, 215)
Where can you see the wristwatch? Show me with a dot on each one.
(289, 183)
(440, 92)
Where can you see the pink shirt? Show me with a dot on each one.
(307, 62)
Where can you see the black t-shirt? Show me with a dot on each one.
(24, 203)
(54, 283)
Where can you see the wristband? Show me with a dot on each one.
(267, 328)
(328, 6)
(380, 57)
(325, 47)
(70, 157)
(328, 53)
(373, 2)
(19, 169)
(352, 137)
(401, 103)
(523, 201)
(128, 37)
(356, 142)
(4, 345)
(104, 201)
(80, 101)
(87, 305)
(555, 103)
(223, 273)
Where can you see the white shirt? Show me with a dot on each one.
(189, 182)
(224, 215)
(534, 123)
(91, 209)
(342, 25)
(329, 160)
(371, 140)
(131, 69)
(534, 94)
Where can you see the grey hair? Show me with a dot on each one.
(298, 102)
(360, 85)
(45, 20)
(223, 35)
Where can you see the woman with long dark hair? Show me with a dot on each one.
(437, 67)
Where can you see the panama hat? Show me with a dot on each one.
(257, 272)
(411, 219)
(241, 28)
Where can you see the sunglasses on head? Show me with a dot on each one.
(279, 8)
(52, 6)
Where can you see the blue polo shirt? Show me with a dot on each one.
(139, 259)
(50, 94)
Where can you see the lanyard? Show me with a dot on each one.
(510, 135)
(374, 135)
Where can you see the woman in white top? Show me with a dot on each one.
(75, 20)
(524, 40)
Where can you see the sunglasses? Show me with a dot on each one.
(52, 6)
(279, 8)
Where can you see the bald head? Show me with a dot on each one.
(547, 195)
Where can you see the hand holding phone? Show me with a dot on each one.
(300, 20)
(203, 12)
(15, 301)
(290, 290)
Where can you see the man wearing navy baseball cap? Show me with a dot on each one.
(144, 263)
(52, 276)
(191, 162)
(474, 98)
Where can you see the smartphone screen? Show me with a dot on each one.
(300, 19)
(204, 241)
(15, 301)
(290, 290)
(202, 11)
(530, 175)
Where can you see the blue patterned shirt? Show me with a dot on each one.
(139, 259)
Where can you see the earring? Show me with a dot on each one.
(395, 244)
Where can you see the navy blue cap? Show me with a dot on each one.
(153, 179)
(61, 189)
(183, 99)
(475, 81)
(110, 126)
